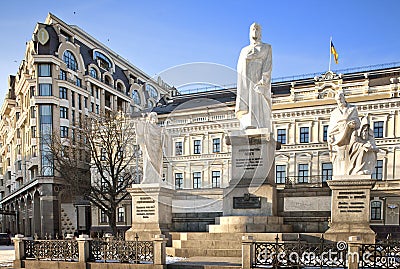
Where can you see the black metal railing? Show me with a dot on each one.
(323, 254)
(53, 250)
(385, 254)
(117, 250)
(317, 179)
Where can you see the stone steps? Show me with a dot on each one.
(224, 244)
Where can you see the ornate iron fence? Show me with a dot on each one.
(53, 250)
(117, 250)
(299, 254)
(385, 254)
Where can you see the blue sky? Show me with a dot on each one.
(157, 35)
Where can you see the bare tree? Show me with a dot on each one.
(97, 160)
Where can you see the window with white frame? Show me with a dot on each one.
(378, 129)
(216, 145)
(44, 70)
(216, 179)
(121, 214)
(196, 180)
(103, 217)
(178, 181)
(281, 136)
(302, 173)
(304, 134)
(197, 146)
(280, 173)
(376, 209)
(378, 171)
(326, 171)
(178, 148)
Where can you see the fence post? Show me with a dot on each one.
(83, 247)
(247, 251)
(159, 245)
(19, 250)
(353, 255)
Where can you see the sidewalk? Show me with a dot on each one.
(208, 263)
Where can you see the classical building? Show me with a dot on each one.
(197, 161)
(65, 75)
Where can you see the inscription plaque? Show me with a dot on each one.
(351, 201)
(145, 207)
(250, 159)
(246, 202)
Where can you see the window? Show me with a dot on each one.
(121, 214)
(378, 129)
(103, 184)
(151, 91)
(63, 93)
(69, 60)
(280, 174)
(303, 173)
(216, 145)
(44, 70)
(196, 180)
(33, 112)
(85, 102)
(63, 131)
(178, 181)
(304, 135)
(136, 97)
(73, 116)
(33, 131)
(97, 109)
(32, 91)
(103, 217)
(63, 112)
(97, 93)
(178, 148)
(79, 101)
(63, 75)
(197, 147)
(45, 90)
(78, 82)
(73, 99)
(325, 133)
(376, 208)
(378, 172)
(216, 179)
(281, 136)
(46, 127)
(103, 154)
(103, 60)
(326, 171)
(93, 72)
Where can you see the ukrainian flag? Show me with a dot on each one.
(334, 52)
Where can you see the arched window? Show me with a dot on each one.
(151, 91)
(119, 86)
(69, 60)
(107, 80)
(104, 62)
(93, 72)
(376, 209)
(136, 97)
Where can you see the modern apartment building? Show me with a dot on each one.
(65, 75)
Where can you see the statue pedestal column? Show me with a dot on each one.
(350, 209)
(249, 202)
(151, 211)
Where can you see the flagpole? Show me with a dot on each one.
(330, 54)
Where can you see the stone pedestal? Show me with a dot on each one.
(250, 198)
(251, 190)
(350, 208)
(151, 211)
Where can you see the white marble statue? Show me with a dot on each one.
(363, 150)
(253, 101)
(149, 137)
(352, 150)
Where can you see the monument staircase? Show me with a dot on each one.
(192, 244)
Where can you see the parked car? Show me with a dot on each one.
(5, 239)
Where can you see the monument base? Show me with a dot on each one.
(350, 208)
(151, 211)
